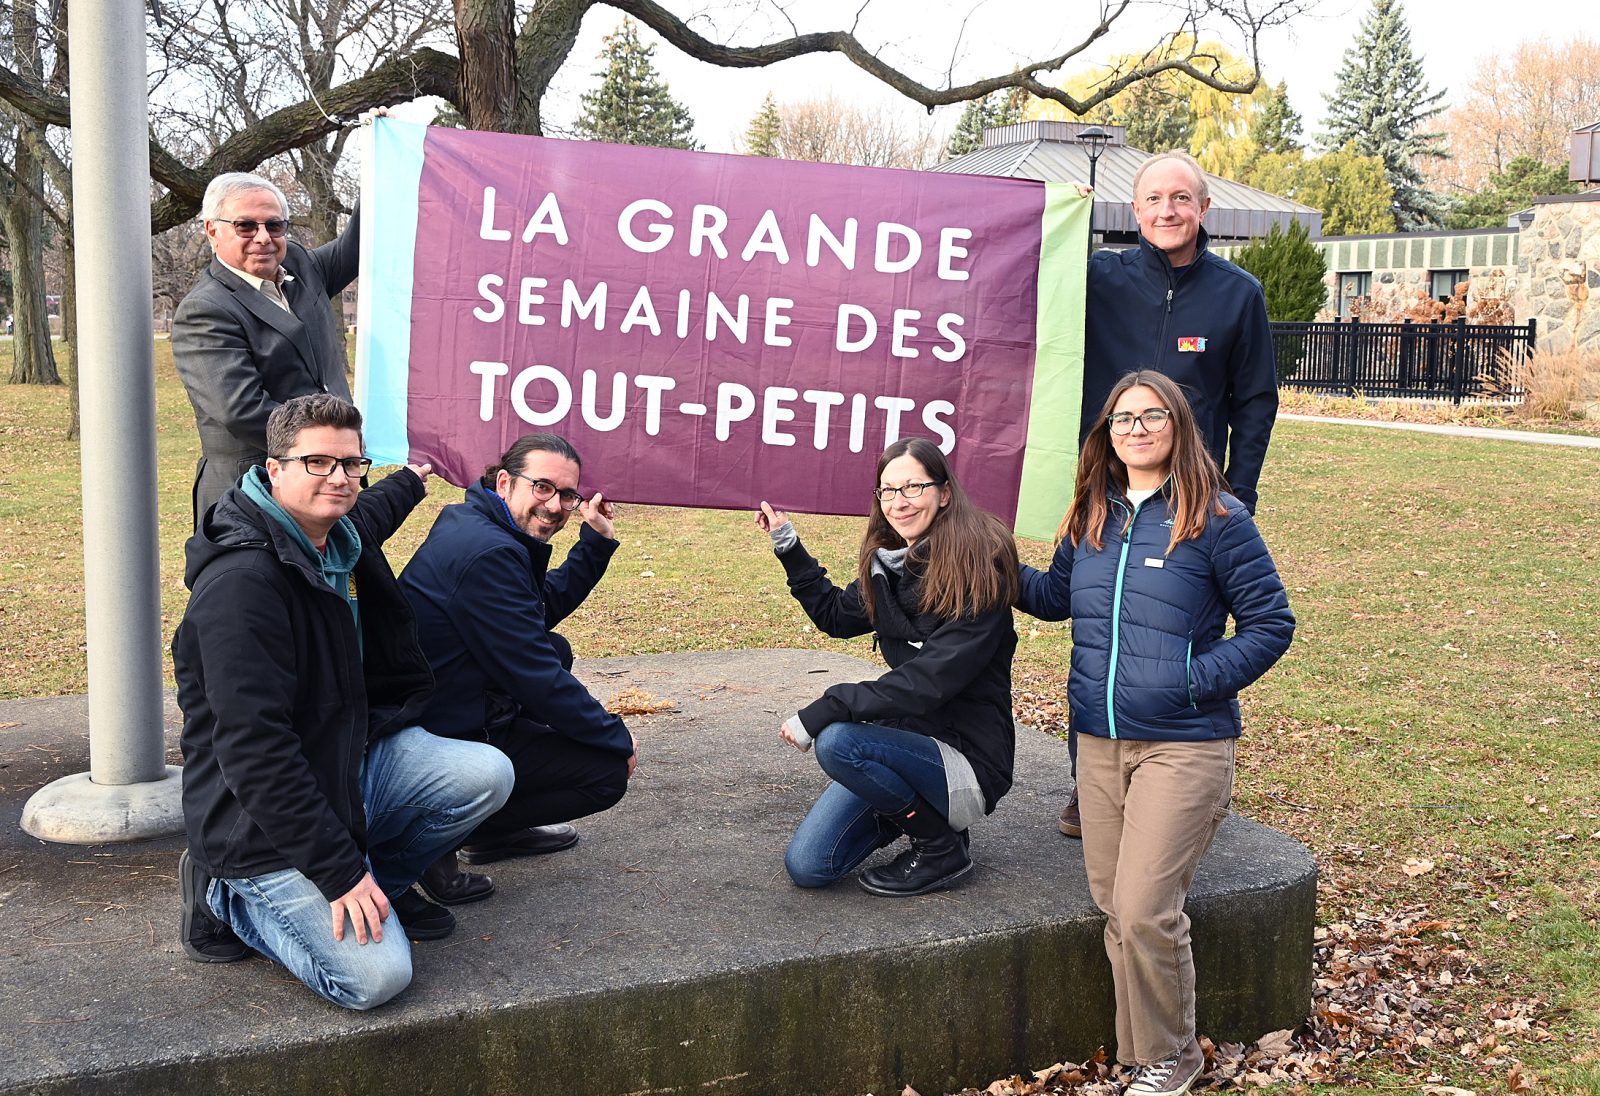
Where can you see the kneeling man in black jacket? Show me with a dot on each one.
(312, 799)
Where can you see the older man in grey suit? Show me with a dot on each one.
(255, 329)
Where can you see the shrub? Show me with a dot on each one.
(1553, 384)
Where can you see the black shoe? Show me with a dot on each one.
(930, 864)
(445, 883)
(421, 919)
(533, 841)
(204, 938)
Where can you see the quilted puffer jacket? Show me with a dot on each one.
(1149, 659)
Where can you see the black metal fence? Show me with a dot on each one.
(1441, 361)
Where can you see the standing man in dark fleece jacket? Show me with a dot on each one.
(1172, 306)
(487, 604)
(256, 329)
(311, 798)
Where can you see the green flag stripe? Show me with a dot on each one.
(1050, 460)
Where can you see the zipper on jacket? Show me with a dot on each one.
(1188, 682)
(1116, 625)
(1166, 315)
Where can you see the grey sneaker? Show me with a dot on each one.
(1171, 1077)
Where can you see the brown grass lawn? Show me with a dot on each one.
(1440, 705)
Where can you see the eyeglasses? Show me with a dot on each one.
(544, 491)
(244, 226)
(1154, 419)
(320, 464)
(910, 490)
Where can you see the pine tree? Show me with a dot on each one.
(761, 136)
(1290, 269)
(1381, 104)
(632, 105)
(1001, 108)
(1276, 127)
(1523, 180)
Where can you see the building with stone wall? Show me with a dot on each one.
(1389, 273)
(1545, 267)
(1557, 277)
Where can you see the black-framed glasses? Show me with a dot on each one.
(1154, 418)
(320, 464)
(544, 491)
(248, 227)
(910, 490)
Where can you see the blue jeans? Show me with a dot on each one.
(876, 770)
(422, 795)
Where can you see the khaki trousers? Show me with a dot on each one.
(1150, 810)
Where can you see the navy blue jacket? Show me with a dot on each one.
(280, 698)
(1143, 314)
(486, 602)
(1149, 661)
(949, 679)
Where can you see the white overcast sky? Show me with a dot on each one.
(1449, 35)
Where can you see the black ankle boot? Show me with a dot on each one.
(937, 856)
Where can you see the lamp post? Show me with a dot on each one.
(1096, 138)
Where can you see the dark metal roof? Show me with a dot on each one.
(1050, 151)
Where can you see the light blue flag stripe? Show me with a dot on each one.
(391, 173)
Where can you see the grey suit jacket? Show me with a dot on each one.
(240, 356)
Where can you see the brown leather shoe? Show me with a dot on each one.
(1071, 822)
(448, 885)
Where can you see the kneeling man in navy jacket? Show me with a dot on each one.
(487, 602)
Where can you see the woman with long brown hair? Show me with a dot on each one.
(1152, 558)
(926, 749)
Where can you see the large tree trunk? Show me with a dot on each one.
(485, 36)
(34, 362)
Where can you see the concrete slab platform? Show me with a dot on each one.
(665, 953)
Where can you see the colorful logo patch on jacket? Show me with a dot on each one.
(1192, 344)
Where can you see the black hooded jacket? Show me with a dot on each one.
(279, 698)
(949, 678)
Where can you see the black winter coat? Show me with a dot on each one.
(949, 679)
(278, 700)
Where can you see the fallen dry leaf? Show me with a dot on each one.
(636, 701)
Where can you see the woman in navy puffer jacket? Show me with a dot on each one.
(1154, 555)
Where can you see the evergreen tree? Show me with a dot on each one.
(1381, 104)
(761, 136)
(632, 105)
(1290, 269)
(1001, 108)
(1276, 126)
(1523, 180)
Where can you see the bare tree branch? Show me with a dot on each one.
(424, 72)
(677, 32)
